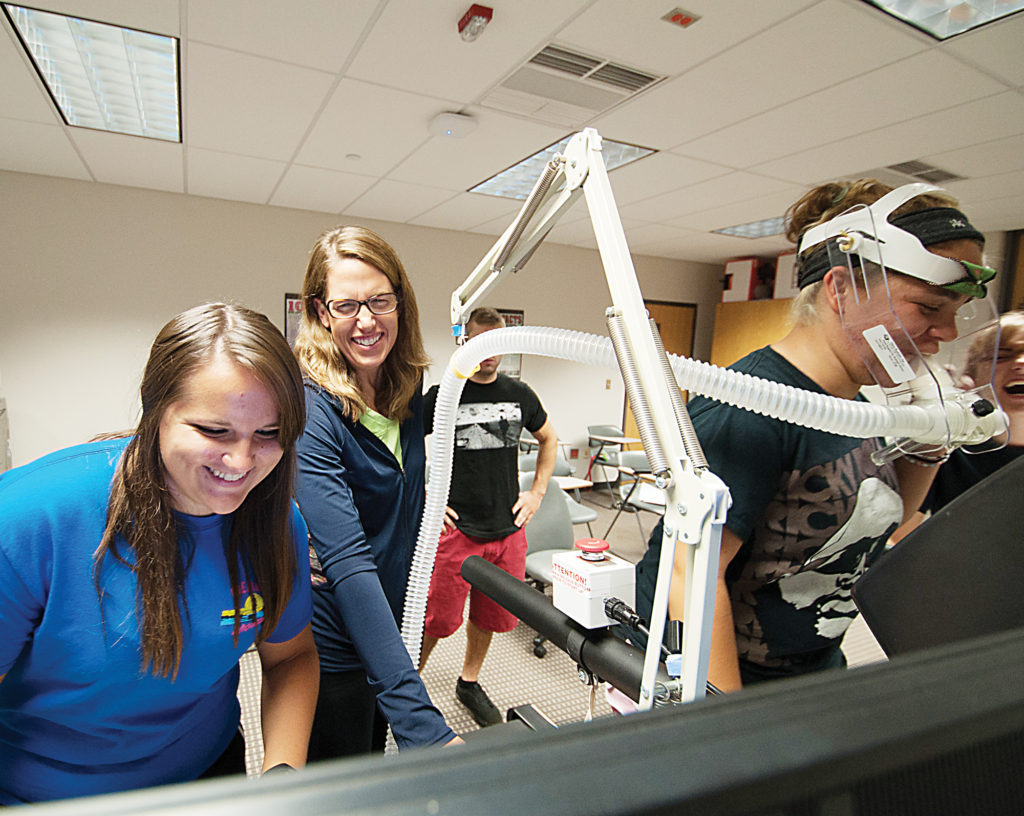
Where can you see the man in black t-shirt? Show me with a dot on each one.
(486, 512)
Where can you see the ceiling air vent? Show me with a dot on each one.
(562, 86)
(563, 59)
(922, 171)
(568, 62)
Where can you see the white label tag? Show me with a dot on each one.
(888, 354)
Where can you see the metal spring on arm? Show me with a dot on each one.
(690, 441)
(637, 400)
(528, 210)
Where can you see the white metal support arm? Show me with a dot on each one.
(696, 500)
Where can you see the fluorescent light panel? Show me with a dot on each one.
(517, 181)
(102, 76)
(943, 19)
(755, 229)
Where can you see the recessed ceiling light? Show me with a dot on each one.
(517, 181)
(943, 19)
(102, 76)
(755, 229)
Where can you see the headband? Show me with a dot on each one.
(931, 226)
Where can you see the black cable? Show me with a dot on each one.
(618, 610)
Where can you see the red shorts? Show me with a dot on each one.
(448, 589)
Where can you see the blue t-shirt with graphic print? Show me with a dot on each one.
(813, 512)
(78, 716)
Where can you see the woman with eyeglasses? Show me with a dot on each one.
(361, 490)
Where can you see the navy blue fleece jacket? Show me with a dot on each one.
(363, 510)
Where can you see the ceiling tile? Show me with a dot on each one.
(223, 175)
(996, 47)
(916, 86)
(316, 33)
(467, 210)
(154, 16)
(998, 215)
(659, 173)
(249, 105)
(458, 164)
(929, 137)
(415, 46)
(745, 211)
(987, 159)
(396, 201)
(312, 188)
(763, 72)
(379, 125)
(723, 190)
(634, 32)
(131, 161)
(710, 247)
(988, 188)
(30, 147)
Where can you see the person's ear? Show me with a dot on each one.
(835, 284)
(321, 312)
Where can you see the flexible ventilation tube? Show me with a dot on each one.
(817, 411)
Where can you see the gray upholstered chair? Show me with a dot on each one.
(549, 531)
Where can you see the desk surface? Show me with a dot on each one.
(571, 482)
(615, 440)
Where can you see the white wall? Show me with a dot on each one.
(90, 272)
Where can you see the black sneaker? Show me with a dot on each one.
(473, 697)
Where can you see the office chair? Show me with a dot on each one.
(528, 464)
(578, 513)
(549, 531)
(637, 495)
(607, 453)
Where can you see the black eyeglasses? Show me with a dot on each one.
(346, 309)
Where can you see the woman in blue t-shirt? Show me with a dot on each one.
(136, 571)
(361, 489)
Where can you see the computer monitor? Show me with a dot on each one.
(937, 732)
(959, 575)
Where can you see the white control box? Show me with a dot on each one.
(581, 586)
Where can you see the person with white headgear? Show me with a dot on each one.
(882, 274)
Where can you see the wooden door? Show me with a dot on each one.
(676, 323)
(743, 326)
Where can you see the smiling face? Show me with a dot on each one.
(1009, 375)
(365, 340)
(219, 440)
(926, 313)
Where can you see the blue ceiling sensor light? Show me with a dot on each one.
(101, 76)
(518, 180)
(943, 19)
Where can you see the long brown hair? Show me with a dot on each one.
(140, 510)
(319, 357)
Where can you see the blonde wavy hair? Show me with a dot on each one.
(319, 358)
(824, 203)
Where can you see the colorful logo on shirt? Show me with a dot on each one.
(251, 610)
